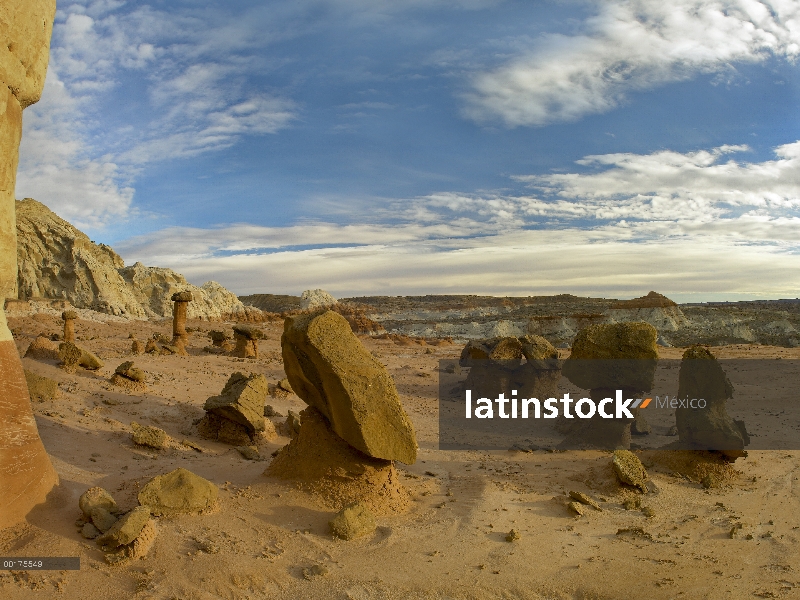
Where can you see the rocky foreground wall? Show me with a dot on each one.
(26, 475)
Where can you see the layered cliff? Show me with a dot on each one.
(56, 260)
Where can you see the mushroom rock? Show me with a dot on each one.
(605, 358)
(180, 338)
(26, 474)
(246, 338)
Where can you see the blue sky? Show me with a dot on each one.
(437, 146)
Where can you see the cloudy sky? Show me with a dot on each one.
(431, 146)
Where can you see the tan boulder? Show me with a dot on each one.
(179, 491)
(710, 427)
(42, 348)
(329, 368)
(241, 401)
(613, 356)
(41, 388)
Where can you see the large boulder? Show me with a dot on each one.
(242, 401)
(614, 356)
(709, 427)
(329, 368)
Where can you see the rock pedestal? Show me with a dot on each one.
(69, 317)
(246, 339)
(708, 428)
(180, 339)
(606, 358)
(496, 366)
(329, 368)
(236, 415)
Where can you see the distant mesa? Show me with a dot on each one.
(651, 300)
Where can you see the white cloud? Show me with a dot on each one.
(632, 45)
(84, 167)
(679, 223)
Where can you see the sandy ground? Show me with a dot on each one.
(449, 544)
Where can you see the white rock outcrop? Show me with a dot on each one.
(56, 260)
(316, 299)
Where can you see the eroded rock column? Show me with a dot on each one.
(69, 317)
(26, 475)
(180, 338)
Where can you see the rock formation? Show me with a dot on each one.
(709, 427)
(497, 367)
(42, 348)
(59, 261)
(329, 368)
(26, 474)
(606, 358)
(312, 299)
(354, 426)
(69, 317)
(180, 339)
(130, 377)
(236, 415)
(246, 339)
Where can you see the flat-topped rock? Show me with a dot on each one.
(185, 296)
(329, 368)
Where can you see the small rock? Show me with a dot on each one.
(315, 571)
(292, 424)
(89, 531)
(146, 435)
(352, 522)
(128, 370)
(179, 491)
(648, 512)
(576, 507)
(584, 499)
(102, 519)
(193, 445)
(629, 469)
(126, 529)
(632, 503)
(249, 452)
(512, 536)
(672, 430)
(96, 497)
(709, 481)
(269, 411)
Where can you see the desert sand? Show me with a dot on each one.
(270, 538)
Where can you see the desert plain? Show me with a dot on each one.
(445, 537)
